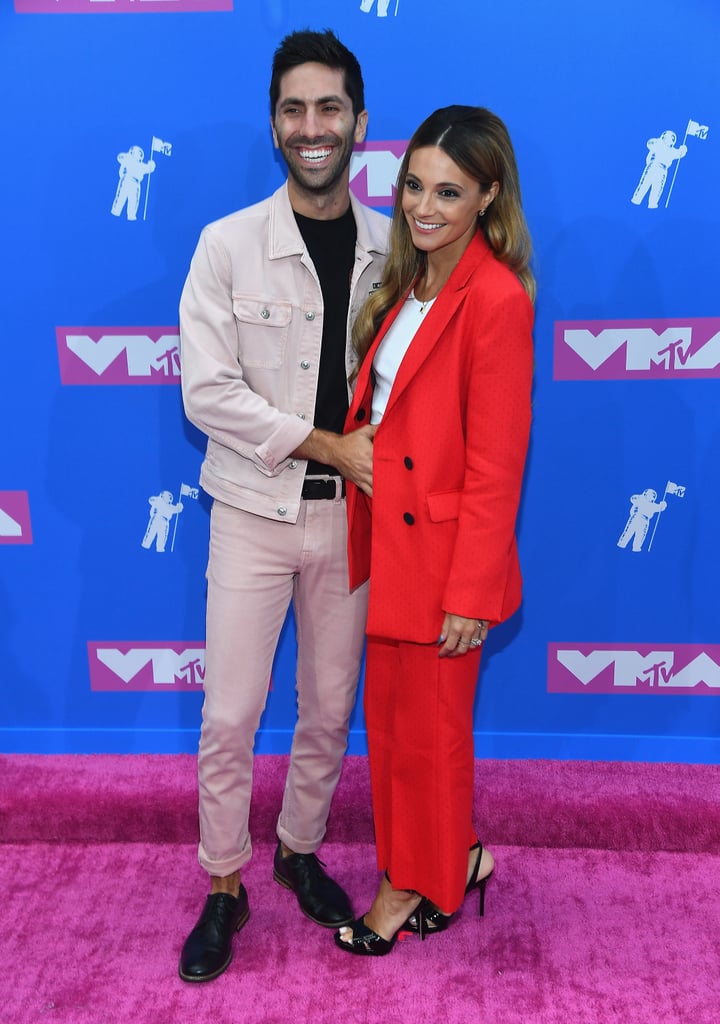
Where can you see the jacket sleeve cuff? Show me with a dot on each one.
(288, 436)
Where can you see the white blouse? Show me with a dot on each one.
(391, 351)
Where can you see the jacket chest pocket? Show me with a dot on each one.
(263, 327)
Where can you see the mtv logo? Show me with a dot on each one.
(119, 6)
(640, 668)
(637, 349)
(139, 666)
(15, 525)
(374, 168)
(119, 355)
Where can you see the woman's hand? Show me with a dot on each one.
(460, 635)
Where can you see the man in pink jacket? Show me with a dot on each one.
(265, 319)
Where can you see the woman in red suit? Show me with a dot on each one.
(445, 373)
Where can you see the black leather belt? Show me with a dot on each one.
(313, 490)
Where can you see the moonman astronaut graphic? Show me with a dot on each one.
(133, 169)
(382, 7)
(642, 508)
(661, 153)
(162, 510)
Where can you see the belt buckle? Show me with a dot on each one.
(336, 482)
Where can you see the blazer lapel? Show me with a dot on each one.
(439, 315)
(426, 338)
(430, 331)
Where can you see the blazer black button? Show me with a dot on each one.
(409, 518)
(360, 415)
(408, 462)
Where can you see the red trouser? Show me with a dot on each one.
(419, 715)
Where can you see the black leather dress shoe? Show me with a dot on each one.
(208, 947)
(320, 898)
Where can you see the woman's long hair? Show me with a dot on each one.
(478, 142)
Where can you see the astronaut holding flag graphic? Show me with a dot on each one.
(133, 169)
(162, 511)
(642, 509)
(662, 152)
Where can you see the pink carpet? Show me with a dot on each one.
(605, 905)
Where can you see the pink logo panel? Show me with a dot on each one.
(119, 6)
(148, 667)
(15, 518)
(374, 169)
(691, 669)
(637, 349)
(119, 355)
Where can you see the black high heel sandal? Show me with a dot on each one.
(434, 919)
(366, 942)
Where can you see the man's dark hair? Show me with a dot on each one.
(306, 47)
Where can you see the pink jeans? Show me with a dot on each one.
(256, 567)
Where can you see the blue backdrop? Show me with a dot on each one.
(129, 124)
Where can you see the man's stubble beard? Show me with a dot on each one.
(305, 180)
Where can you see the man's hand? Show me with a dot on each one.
(351, 454)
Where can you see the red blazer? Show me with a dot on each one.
(439, 533)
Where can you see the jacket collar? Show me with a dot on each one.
(285, 238)
(435, 320)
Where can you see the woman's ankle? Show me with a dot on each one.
(390, 909)
(476, 872)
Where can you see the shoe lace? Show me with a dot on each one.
(312, 865)
(221, 909)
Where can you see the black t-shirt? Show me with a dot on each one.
(331, 244)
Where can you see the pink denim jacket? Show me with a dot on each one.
(250, 339)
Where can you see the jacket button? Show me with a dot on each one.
(265, 314)
(409, 518)
(408, 462)
(305, 364)
(301, 415)
(293, 464)
(282, 511)
(360, 415)
(309, 315)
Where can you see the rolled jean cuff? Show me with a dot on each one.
(226, 866)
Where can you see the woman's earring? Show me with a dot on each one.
(481, 213)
